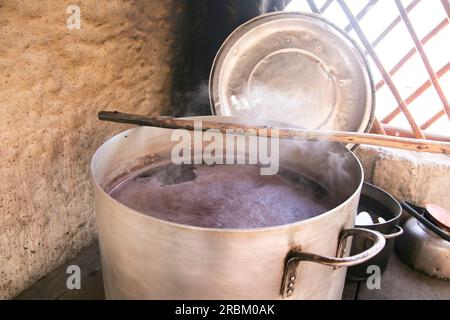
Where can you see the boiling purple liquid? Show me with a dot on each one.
(223, 196)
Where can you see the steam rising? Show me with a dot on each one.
(267, 104)
(194, 102)
(280, 105)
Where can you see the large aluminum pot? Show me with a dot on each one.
(147, 258)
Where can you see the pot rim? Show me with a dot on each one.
(222, 230)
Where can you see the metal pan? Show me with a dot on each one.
(294, 68)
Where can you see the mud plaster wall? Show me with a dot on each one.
(53, 81)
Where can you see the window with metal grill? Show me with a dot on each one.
(407, 43)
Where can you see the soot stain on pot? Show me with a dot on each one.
(128, 169)
(289, 272)
(170, 174)
(293, 252)
(318, 190)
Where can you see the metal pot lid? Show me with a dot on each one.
(441, 215)
(294, 68)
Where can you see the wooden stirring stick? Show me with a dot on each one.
(284, 133)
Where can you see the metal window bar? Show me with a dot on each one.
(432, 120)
(326, 5)
(313, 7)
(362, 13)
(446, 6)
(418, 48)
(424, 57)
(413, 51)
(424, 87)
(387, 78)
(394, 23)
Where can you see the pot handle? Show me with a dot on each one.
(295, 256)
(395, 234)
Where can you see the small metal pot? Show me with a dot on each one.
(379, 203)
(425, 246)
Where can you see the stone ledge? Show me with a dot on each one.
(418, 177)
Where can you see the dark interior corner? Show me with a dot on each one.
(205, 26)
